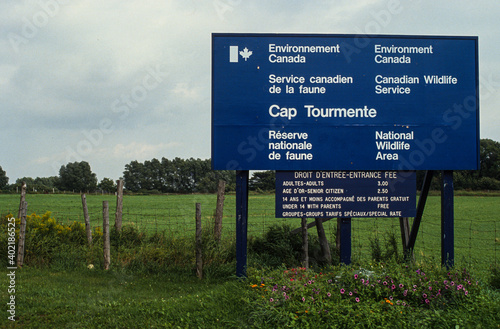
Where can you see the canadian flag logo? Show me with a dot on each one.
(234, 54)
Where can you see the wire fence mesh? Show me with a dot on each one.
(477, 242)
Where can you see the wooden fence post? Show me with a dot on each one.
(199, 255)
(23, 199)
(323, 241)
(22, 233)
(119, 205)
(88, 229)
(105, 230)
(305, 244)
(219, 210)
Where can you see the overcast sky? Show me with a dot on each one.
(109, 82)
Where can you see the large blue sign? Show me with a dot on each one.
(344, 102)
(326, 194)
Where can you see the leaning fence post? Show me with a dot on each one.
(88, 229)
(119, 205)
(105, 230)
(323, 241)
(219, 210)
(199, 255)
(22, 234)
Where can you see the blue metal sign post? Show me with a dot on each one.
(447, 223)
(241, 222)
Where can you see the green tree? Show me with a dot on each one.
(4, 180)
(107, 185)
(263, 180)
(489, 152)
(78, 177)
(134, 176)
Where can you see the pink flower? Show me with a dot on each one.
(342, 290)
(355, 276)
(357, 299)
(329, 294)
(401, 285)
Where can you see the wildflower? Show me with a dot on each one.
(357, 299)
(342, 291)
(385, 283)
(405, 292)
(355, 276)
(466, 292)
(303, 299)
(350, 293)
(424, 295)
(427, 301)
(271, 300)
(254, 285)
(393, 287)
(401, 285)
(459, 287)
(329, 294)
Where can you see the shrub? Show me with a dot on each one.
(278, 247)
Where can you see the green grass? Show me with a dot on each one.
(95, 298)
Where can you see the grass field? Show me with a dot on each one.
(477, 220)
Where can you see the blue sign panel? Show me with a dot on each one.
(326, 194)
(344, 102)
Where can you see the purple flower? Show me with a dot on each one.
(405, 292)
(342, 290)
(459, 287)
(329, 294)
(362, 281)
(385, 283)
(355, 276)
(357, 299)
(271, 300)
(401, 285)
(393, 287)
(350, 293)
(430, 288)
(303, 299)
(466, 292)
(424, 295)
(427, 301)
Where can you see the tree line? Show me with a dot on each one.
(196, 176)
